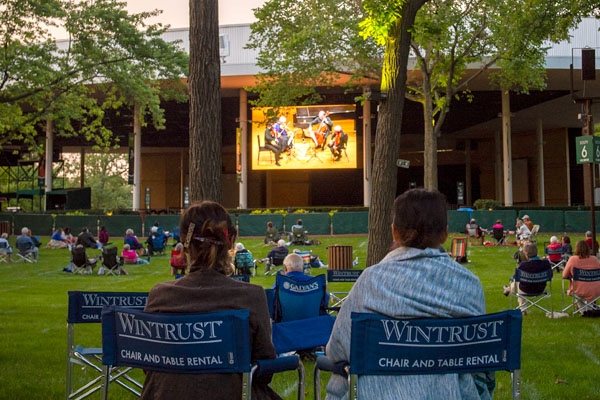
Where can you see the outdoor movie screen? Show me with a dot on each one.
(304, 137)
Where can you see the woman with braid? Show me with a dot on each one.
(209, 235)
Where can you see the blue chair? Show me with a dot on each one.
(241, 278)
(336, 276)
(86, 308)
(158, 242)
(299, 299)
(533, 299)
(556, 265)
(582, 275)
(270, 293)
(244, 263)
(227, 346)
(383, 346)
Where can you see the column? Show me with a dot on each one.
(137, 157)
(49, 155)
(506, 149)
(366, 150)
(540, 165)
(244, 149)
(498, 165)
(82, 167)
(468, 172)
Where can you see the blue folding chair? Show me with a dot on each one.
(159, 240)
(299, 299)
(384, 346)
(244, 263)
(270, 293)
(533, 299)
(86, 308)
(335, 276)
(224, 342)
(581, 275)
(556, 265)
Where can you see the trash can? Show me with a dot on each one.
(340, 257)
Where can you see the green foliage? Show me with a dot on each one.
(111, 59)
(487, 204)
(381, 18)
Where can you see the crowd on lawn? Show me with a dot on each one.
(207, 253)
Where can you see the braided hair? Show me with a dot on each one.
(209, 235)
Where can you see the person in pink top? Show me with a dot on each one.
(583, 259)
(131, 257)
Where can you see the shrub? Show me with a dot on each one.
(487, 204)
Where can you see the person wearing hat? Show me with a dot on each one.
(527, 222)
(337, 142)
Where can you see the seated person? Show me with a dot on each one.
(79, 258)
(34, 239)
(430, 280)
(57, 241)
(273, 144)
(523, 232)
(243, 260)
(175, 234)
(337, 142)
(207, 288)
(177, 261)
(566, 244)
(131, 257)
(554, 246)
(86, 239)
(533, 264)
(582, 259)
(474, 231)
(272, 235)
(275, 256)
(588, 240)
(498, 231)
(298, 234)
(69, 236)
(156, 240)
(26, 245)
(103, 236)
(528, 222)
(5, 246)
(133, 241)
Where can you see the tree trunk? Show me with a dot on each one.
(387, 143)
(430, 180)
(205, 102)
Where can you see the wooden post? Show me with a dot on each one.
(366, 151)
(506, 148)
(244, 149)
(137, 157)
(540, 165)
(498, 165)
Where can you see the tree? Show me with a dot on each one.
(205, 102)
(111, 59)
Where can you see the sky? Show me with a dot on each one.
(176, 12)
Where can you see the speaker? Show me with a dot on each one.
(588, 64)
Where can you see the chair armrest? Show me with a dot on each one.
(339, 368)
(272, 366)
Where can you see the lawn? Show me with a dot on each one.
(560, 357)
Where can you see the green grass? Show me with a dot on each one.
(560, 358)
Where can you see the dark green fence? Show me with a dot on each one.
(487, 219)
(167, 222)
(40, 224)
(116, 225)
(314, 223)
(256, 224)
(580, 221)
(350, 222)
(457, 220)
(549, 221)
(76, 222)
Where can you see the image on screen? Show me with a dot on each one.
(304, 137)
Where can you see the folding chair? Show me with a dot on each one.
(473, 234)
(582, 275)
(111, 261)
(459, 249)
(298, 236)
(241, 278)
(86, 308)
(80, 263)
(276, 261)
(26, 252)
(534, 232)
(299, 300)
(4, 252)
(336, 299)
(158, 243)
(384, 346)
(227, 347)
(306, 259)
(533, 299)
(556, 265)
(244, 262)
(499, 235)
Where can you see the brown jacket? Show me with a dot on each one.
(209, 291)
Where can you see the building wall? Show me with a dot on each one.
(161, 172)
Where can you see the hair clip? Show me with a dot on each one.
(190, 234)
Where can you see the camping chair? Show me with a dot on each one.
(473, 234)
(556, 265)
(86, 308)
(179, 267)
(261, 149)
(228, 344)
(459, 249)
(26, 252)
(276, 261)
(534, 232)
(499, 235)
(582, 275)
(336, 299)
(111, 261)
(244, 263)
(80, 263)
(306, 259)
(4, 252)
(533, 299)
(159, 242)
(373, 351)
(299, 300)
(298, 236)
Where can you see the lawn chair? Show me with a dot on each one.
(275, 261)
(459, 250)
(244, 263)
(4, 252)
(299, 236)
(80, 263)
(556, 265)
(26, 252)
(373, 351)
(474, 234)
(336, 299)
(499, 235)
(534, 232)
(111, 261)
(158, 242)
(306, 259)
(86, 308)
(533, 299)
(579, 276)
(228, 342)
(299, 300)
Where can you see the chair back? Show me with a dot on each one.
(86, 307)
(459, 249)
(158, 241)
(3, 245)
(472, 229)
(178, 260)
(586, 275)
(24, 247)
(298, 232)
(129, 241)
(298, 300)
(348, 275)
(244, 260)
(241, 278)
(270, 293)
(109, 257)
(78, 256)
(498, 233)
(278, 257)
(533, 277)
(305, 257)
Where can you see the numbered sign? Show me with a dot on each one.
(587, 149)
